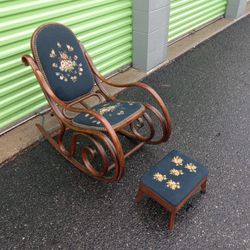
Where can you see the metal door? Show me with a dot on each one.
(188, 15)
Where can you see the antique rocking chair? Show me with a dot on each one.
(67, 77)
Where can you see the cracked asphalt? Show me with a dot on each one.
(47, 204)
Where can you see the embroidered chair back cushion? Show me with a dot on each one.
(61, 60)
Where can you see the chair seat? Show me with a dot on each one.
(116, 112)
(174, 177)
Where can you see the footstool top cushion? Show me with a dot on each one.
(174, 177)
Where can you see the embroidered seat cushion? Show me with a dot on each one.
(115, 112)
(61, 60)
(174, 177)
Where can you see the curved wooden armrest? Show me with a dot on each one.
(150, 90)
(29, 61)
(133, 84)
(144, 86)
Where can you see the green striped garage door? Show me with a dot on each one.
(104, 26)
(188, 15)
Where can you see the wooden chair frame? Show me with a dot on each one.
(109, 135)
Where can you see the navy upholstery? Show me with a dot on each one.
(60, 56)
(114, 111)
(174, 177)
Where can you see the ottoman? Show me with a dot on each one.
(172, 181)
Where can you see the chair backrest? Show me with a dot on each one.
(62, 62)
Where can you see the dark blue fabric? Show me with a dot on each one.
(188, 180)
(63, 63)
(113, 111)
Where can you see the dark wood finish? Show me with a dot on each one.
(172, 220)
(108, 136)
(204, 187)
(139, 195)
(144, 190)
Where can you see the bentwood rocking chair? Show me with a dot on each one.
(67, 77)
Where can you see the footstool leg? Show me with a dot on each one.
(204, 186)
(139, 196)
(171, 220)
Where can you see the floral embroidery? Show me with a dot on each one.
(173, 185)
(177, 161)
(160, 177)
(176, 172)
(170, 183)
(65, 62)
(191, 167)
(108, 109)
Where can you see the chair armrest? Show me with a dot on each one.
(29, 61)
(144, 86)
(148, 89)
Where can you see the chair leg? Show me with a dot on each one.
(139, 196)
(171, 220)
(204, 186)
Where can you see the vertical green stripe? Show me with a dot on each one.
(187, 15)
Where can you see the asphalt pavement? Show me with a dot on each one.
(47, 204)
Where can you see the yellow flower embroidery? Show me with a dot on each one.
(176, 172)
(191, 167)
(160, 177)
(107, 109)
(173, 185)
(177, 161)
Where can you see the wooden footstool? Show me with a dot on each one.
(172, 181)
